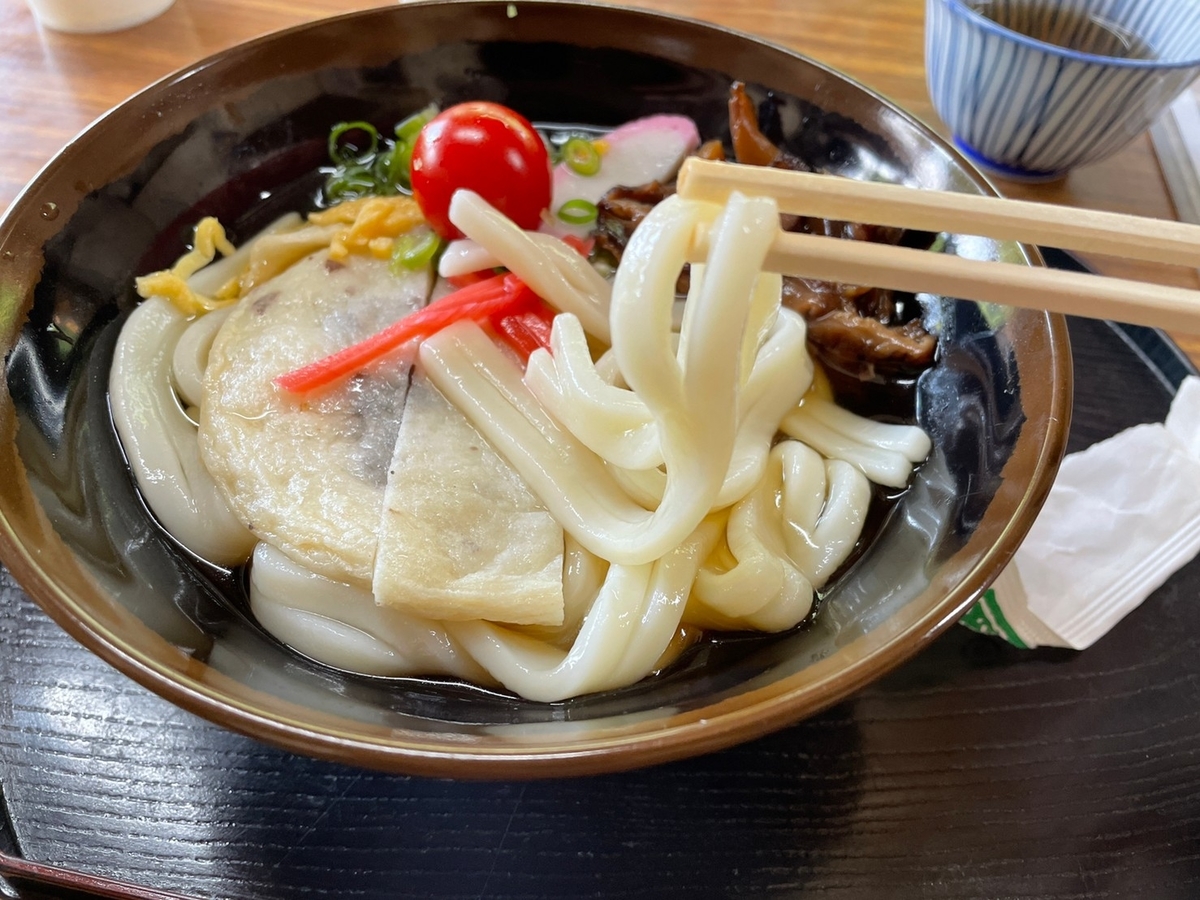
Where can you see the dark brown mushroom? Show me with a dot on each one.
(856, 330)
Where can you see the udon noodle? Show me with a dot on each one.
(669, 476)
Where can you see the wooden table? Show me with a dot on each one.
(55, 84)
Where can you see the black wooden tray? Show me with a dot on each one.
(976, 770)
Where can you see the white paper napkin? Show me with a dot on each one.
(1121, 518)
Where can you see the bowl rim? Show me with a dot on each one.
(195, 687)
(978, 19)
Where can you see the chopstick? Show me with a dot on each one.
(55, 881)
(905, 269)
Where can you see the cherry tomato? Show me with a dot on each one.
(486, 148)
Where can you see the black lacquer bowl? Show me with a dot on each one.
(240, 136)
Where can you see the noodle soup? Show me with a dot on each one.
(573, 477)
(254, 121)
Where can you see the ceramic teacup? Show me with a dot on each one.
(1033, 88)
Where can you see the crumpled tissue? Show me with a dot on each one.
(1121, 518)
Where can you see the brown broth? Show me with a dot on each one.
(1073, 29)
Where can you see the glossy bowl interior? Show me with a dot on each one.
(239, 136)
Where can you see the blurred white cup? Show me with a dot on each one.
(89, 16)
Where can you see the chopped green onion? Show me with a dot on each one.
(407, 130)
(402, 165)
(381, 165)
(350, 183)
(581, 156)
(415, 250)
(381, 168)
(347, 153)
(391, 169)
(578, 212)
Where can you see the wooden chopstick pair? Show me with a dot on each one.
(904, 269)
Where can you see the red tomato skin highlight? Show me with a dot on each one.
(486, 148)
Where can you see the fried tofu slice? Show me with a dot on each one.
(307, 474)
(461, 536)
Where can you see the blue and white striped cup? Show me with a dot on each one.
(1033, 88)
